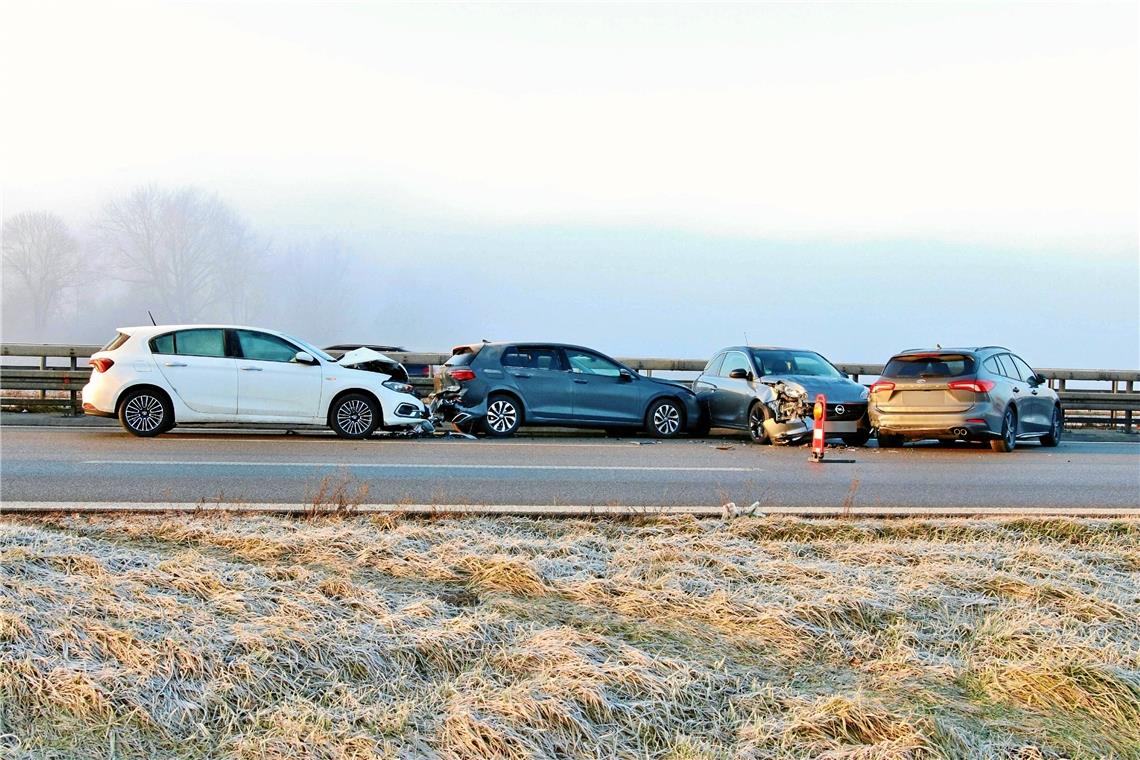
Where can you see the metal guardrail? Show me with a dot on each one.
(1115, 406)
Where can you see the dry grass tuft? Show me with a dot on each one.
(343, 636)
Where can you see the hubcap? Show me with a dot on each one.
(502, 416)
(666, 419)
(144, 413)
(354, 416)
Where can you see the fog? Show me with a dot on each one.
(646, 180)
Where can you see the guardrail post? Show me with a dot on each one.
(71, 409)
(1112, 413)
(43, 366)
(1128, 413)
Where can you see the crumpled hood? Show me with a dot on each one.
(838, 390)
(373, 361)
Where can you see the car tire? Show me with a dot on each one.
(856, 439)
(1008, 440)
(354, 416)
(757, 415)
(504, 416)
(889, 441)
(665, 419)
(1056, 429)
(146, 412)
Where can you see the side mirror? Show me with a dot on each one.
(740, 374)
(304, 357)
(1041, 379)
(625, 376)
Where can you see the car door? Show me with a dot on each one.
(270, 381)
(728, 406)
(1038, 404)
(705, 385)
(200, 371)
(543, 379)
(604, 391)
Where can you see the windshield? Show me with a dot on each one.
(780, 362)
(311, 349)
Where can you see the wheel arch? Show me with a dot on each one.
(672, 397)
(363, 391)
(148, 386)
(513, 396)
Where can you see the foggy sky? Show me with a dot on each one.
(646, 179)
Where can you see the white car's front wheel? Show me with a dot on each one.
(354, 415)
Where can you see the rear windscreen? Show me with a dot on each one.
(929, 365)
(461, 359)
(118, 340)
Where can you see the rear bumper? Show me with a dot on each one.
(961, 425)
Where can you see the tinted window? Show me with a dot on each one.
(1022, 368)
(206, 342)
(1005, 366)
(991, 365)
(533, 357)
(777, 362)
(734, 360)
(930, 365)
(462, 359)
(591, 364)
(264, 347)
(163, 344)
(713, 367)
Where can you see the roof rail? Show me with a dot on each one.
(1003, 348)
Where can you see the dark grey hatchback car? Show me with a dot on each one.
(498, 387)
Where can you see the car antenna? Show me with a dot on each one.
(151, 318)
(746, 338)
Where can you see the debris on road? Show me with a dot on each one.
(732, 511)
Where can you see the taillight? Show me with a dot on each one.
(101, 365)
(462, 375)
(977, 386)
(882, 385)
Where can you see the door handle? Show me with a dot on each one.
(582, 382)
(251, 369)
(176, 364)
(522, 374)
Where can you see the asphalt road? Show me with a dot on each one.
(105, 465)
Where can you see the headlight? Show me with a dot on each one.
(392, 385)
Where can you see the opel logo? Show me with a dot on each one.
(840, 409)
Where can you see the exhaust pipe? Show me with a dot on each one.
(960, 432)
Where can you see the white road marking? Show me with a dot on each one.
(419, 466)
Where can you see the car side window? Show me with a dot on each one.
(163, 344)
(534, 357)
(1006, 366)
(713, 367)
(734, 360)
(1024, 369)
(200, 342)
(991, 366)
(259, 346)
(591, 364)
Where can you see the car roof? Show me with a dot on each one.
(763, 348)
(147, 331)
(503, 343)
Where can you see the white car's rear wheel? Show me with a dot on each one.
(354, 416)
(146, 413)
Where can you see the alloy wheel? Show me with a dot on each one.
(756, 423)
(666, 419)
(1010, 429)
(502, 416)
(354, 416)
(144, 413)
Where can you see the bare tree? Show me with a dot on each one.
(186, 252)
(41, 259)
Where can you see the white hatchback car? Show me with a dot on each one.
(152, 378)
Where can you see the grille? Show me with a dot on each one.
(851, 412)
